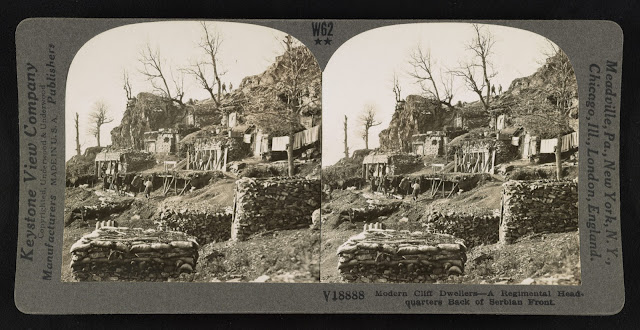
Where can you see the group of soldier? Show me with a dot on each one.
(120, 184)
(396, 185)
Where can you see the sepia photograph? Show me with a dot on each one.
(452, 158)
(193, 154)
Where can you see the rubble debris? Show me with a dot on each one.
(385, 255)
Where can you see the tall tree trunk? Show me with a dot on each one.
(558, 155)
(98, 136)
(290, 153)
(77, 119)
(346, 147)
(366, 138)
(486, 81)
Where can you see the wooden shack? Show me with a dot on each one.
(112, 162)
(208, 156)
(378, 165)
(473, 154)
(122, 161)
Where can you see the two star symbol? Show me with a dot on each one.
(319, 41)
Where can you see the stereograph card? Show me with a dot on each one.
(319, 166)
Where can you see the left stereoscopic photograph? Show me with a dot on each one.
(193, 154)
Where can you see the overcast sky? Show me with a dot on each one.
(360, 72)
(96, 71)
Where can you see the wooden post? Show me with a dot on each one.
(455, 162)
(224, 166)
(493, 161)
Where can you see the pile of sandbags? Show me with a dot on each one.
(474, 229)
(539, 206)
(273, 204)
(132, 254)
(383, 255)
(206, 226)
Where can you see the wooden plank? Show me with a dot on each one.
(453, 187)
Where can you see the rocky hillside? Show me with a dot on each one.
(414, 115)
(258, 94)
(144, 113)
(535, 94)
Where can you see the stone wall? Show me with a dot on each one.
(205, 226)
(541, 206)
(273, 204)
(433, 145)
(132, 254)
(472, 228)
(379, 255)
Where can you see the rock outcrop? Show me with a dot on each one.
(145, 113)
(256, 96)
(415, 115)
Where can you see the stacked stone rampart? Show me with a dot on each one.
(273, 204)
(205, 225)
(474, 229)
(379, 255)
(126, 254)
(371, 212)
(540, 206)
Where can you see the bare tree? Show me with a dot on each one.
(564, 84)
(346, 146)
(126, 84)
(98, 117)
(76, 120)
(299, 66)
(482, 47)
(425, 72)
(153, 69)
(368, 120)
(211, 42)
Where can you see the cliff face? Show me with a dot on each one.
(256, 95)
(415, 115)
(262, 93)
(537, 93)
(144, 113)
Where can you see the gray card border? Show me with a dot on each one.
(602, 289)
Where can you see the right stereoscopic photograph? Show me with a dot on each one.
(452, 158)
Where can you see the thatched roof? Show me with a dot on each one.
(207, 132)
(473, 138)
(375, 159)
